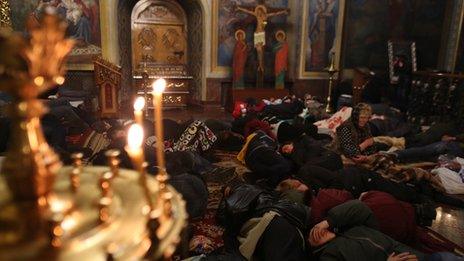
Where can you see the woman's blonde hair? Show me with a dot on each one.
(363, 109)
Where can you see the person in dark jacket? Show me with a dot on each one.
(261, 156)
(259, 220)
(194, 192)
(350, 233)
(305, 150)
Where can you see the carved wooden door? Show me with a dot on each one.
(159, 34)
(159, 48)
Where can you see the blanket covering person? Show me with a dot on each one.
(388, 169)
(197, 137)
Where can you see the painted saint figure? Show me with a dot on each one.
(281, 59)
(239, 59)
(81, 15)
(322, 33)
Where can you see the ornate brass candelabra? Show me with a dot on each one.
(50, 212)
(29, 69)
(332, 71)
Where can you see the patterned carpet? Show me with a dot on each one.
(207, 234)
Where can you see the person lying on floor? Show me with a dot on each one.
(440, 138)
(357, 181)
(118, 140)
(63, 110)
(192, 135)
(350, 233)
(396, 218)
(260, 154)
(257, 221)
(185, 169)
(444, 131)
(305, 150)
(430, 152)
(353, 138)
(287, 110)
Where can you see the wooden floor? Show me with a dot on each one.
(449, 221)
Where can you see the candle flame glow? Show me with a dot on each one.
(57, 205)
(135, 137)
(59, 80)
(139, 103)
(159, 86)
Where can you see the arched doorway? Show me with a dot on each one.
(195, 32)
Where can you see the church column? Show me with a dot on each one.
(109, 29)
(292, 36)
(448, 54)
(206, 6)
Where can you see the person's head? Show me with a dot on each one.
(287, 148)
(289, 184)
(280, 36)
(261, 11)
(240, 35)
(361, 114)
(294, 191)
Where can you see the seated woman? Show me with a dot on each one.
(353, 138)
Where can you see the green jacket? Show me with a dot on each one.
(357, 239)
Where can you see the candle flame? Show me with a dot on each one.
(39, 80)
(68, 223)
(57, 205)
(135, 137)
(59, 80)
(139, 103)
(159, 86)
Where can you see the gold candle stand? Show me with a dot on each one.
(332, 71)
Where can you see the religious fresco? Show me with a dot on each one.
(322, 28)
(371, 23)
(229, 19)
(83, 17)
(322, 21)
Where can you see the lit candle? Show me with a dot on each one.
(158, 89)
(135, 151)
(134, 145)
(139, 104)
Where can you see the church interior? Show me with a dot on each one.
(232, 130)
